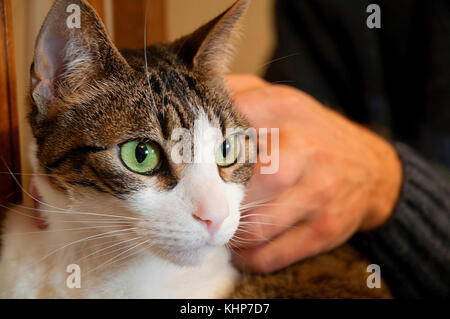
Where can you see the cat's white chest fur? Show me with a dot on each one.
(146, 276)
(153, 278)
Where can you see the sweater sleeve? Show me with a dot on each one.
(413, 247)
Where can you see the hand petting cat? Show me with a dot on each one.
(335, 178)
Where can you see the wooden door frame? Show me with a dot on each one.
(129, 22)
(9, 126)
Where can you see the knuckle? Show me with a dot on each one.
(253, 232)
(261, 263)
(328, 190)
(284, 179)
(327, 228)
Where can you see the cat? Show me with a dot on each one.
(120, 212)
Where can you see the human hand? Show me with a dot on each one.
(335, 178)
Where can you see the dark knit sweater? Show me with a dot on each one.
(396, 79)
(413, 246)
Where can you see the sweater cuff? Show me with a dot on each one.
(413, 247)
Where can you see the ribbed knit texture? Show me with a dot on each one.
(413, 246)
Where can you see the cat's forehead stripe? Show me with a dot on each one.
(74, 153)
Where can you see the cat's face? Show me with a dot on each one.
(107, 131)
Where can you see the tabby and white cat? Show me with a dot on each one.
(137, 223)
(125, 219)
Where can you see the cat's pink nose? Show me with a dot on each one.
(212, 218)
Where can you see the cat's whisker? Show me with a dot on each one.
(98, 236)
(121, 242)
(229, 245)
(244, 224)
(123, 258)
(282, 82)
(25, 174)
(97, 221)
(243, 228)
(72, 212)
(265, 223)
(101, 236)
(242, 241)
(58, 208)
(276, 60)
(247, 205)
(64, 230)
(145, 56)
(267, 205)
(21, 213)
(116, 250)
(233, 249)
(241, 244)
(105, 243)
(133, 253)
(245, 231)
(244, 215)
(236, 236)
(111, 260)
(257, 239)
(258, 235)
(259, 201)
(26, 192)
(86, 240)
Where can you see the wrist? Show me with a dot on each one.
(386, 184)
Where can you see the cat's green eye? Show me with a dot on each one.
(228, 152)
(140, 157)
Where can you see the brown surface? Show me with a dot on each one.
(129, 23)
(9, 136)
(341, 273)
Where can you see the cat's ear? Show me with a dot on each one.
(210, 47)
(72, 49)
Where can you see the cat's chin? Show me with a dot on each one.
(190, 257)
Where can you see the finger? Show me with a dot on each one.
(268, 186)
(290, 247)
(263, 187)
(238, 83)
(265, 221)
(276, 202)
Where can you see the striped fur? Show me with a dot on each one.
(82, 124)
